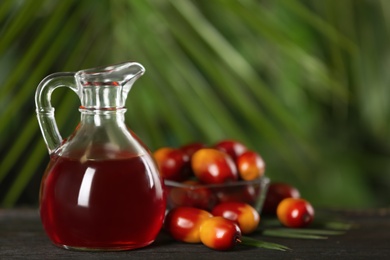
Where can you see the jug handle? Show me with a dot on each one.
(44, 109)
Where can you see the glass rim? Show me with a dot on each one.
(264, 180)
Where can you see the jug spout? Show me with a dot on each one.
(107, 87)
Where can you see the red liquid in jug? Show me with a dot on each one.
(109, 204)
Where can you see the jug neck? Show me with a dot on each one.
(99, 117)
(102, 96)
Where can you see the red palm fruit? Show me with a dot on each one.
(295, 213)
(219, 233)
(231, 147)
(240, 193)
(192, 194)
(275, 194)
(250, 165)
(183, 223)
(173, 163)
(191, 148)
(213, 167)
(246, 217)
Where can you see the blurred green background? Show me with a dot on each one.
(303, 82)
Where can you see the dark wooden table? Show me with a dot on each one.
(22, 237)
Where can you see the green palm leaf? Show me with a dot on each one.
(302, 82)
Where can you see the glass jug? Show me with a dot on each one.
(101, 189)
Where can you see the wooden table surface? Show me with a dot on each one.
(22, 237)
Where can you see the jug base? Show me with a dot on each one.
(105, 249)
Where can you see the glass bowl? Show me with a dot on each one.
(206, 196)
